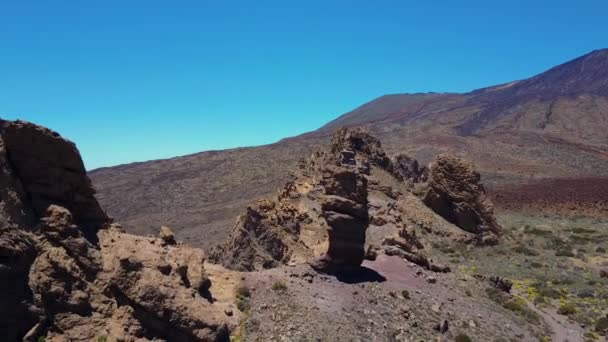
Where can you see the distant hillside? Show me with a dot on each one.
(551, 125)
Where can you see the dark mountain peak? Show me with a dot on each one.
(587, 74)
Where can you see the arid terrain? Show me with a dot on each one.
(552, 125)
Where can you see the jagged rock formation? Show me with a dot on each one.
(341, 200)
(263, 237)
(455, 192)
(51, 171)
(60, 284)
(406, 169)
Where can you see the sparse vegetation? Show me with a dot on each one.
(243, 297)
(566, 309)
(564, 252)
(102, 338)
(601, 325)
(279, 286)
(512, 303)
(462, 337)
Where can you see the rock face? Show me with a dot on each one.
(406, 169)
(66, 273)
(51, 171)
(264, 237)
(344, 208)
(320, 215)
(455, 192)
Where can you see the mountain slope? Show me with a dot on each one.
(551, 125)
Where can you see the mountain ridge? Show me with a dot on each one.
(513, 135)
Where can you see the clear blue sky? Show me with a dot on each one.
(139, 80)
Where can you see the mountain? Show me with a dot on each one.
(553, 125)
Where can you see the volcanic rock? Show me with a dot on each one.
(345, 210)
(406, 169)
(66, 273)
(455, 192)
(51, 171)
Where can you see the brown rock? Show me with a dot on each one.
(166, 234)
(51, 171)
(345, 211)
(455, 192)
(358, 141)
(59, 284)
(442, 326)
(406, 169)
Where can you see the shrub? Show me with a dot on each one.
(566, 309)
(405, 294)
(521, 249)
(243, 291)
(243, 295)
(516, 305)
(600, 250)
(462, 338)
(565, 252)
(468, 292)
(601, 325)
(102, 339)
(279, 286)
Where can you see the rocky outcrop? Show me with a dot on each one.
(455, 192)
(323, 214)
(406, 169)
(264, 237)
(50, 171)
(127, 288)
(344, 208)
(66, 273)
(358, 142)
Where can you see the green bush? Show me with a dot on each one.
(601, 325)
(102, 339)
(566, 309)
(510, 303)
(243, 296)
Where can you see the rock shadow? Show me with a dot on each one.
(358, 275)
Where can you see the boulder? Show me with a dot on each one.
(166, 235)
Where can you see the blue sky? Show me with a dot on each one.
(139, 80)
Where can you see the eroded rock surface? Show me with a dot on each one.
(455, 192)
(50, 171)
(68, 274)
(344, 200)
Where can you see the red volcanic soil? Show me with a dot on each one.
(563, 196)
